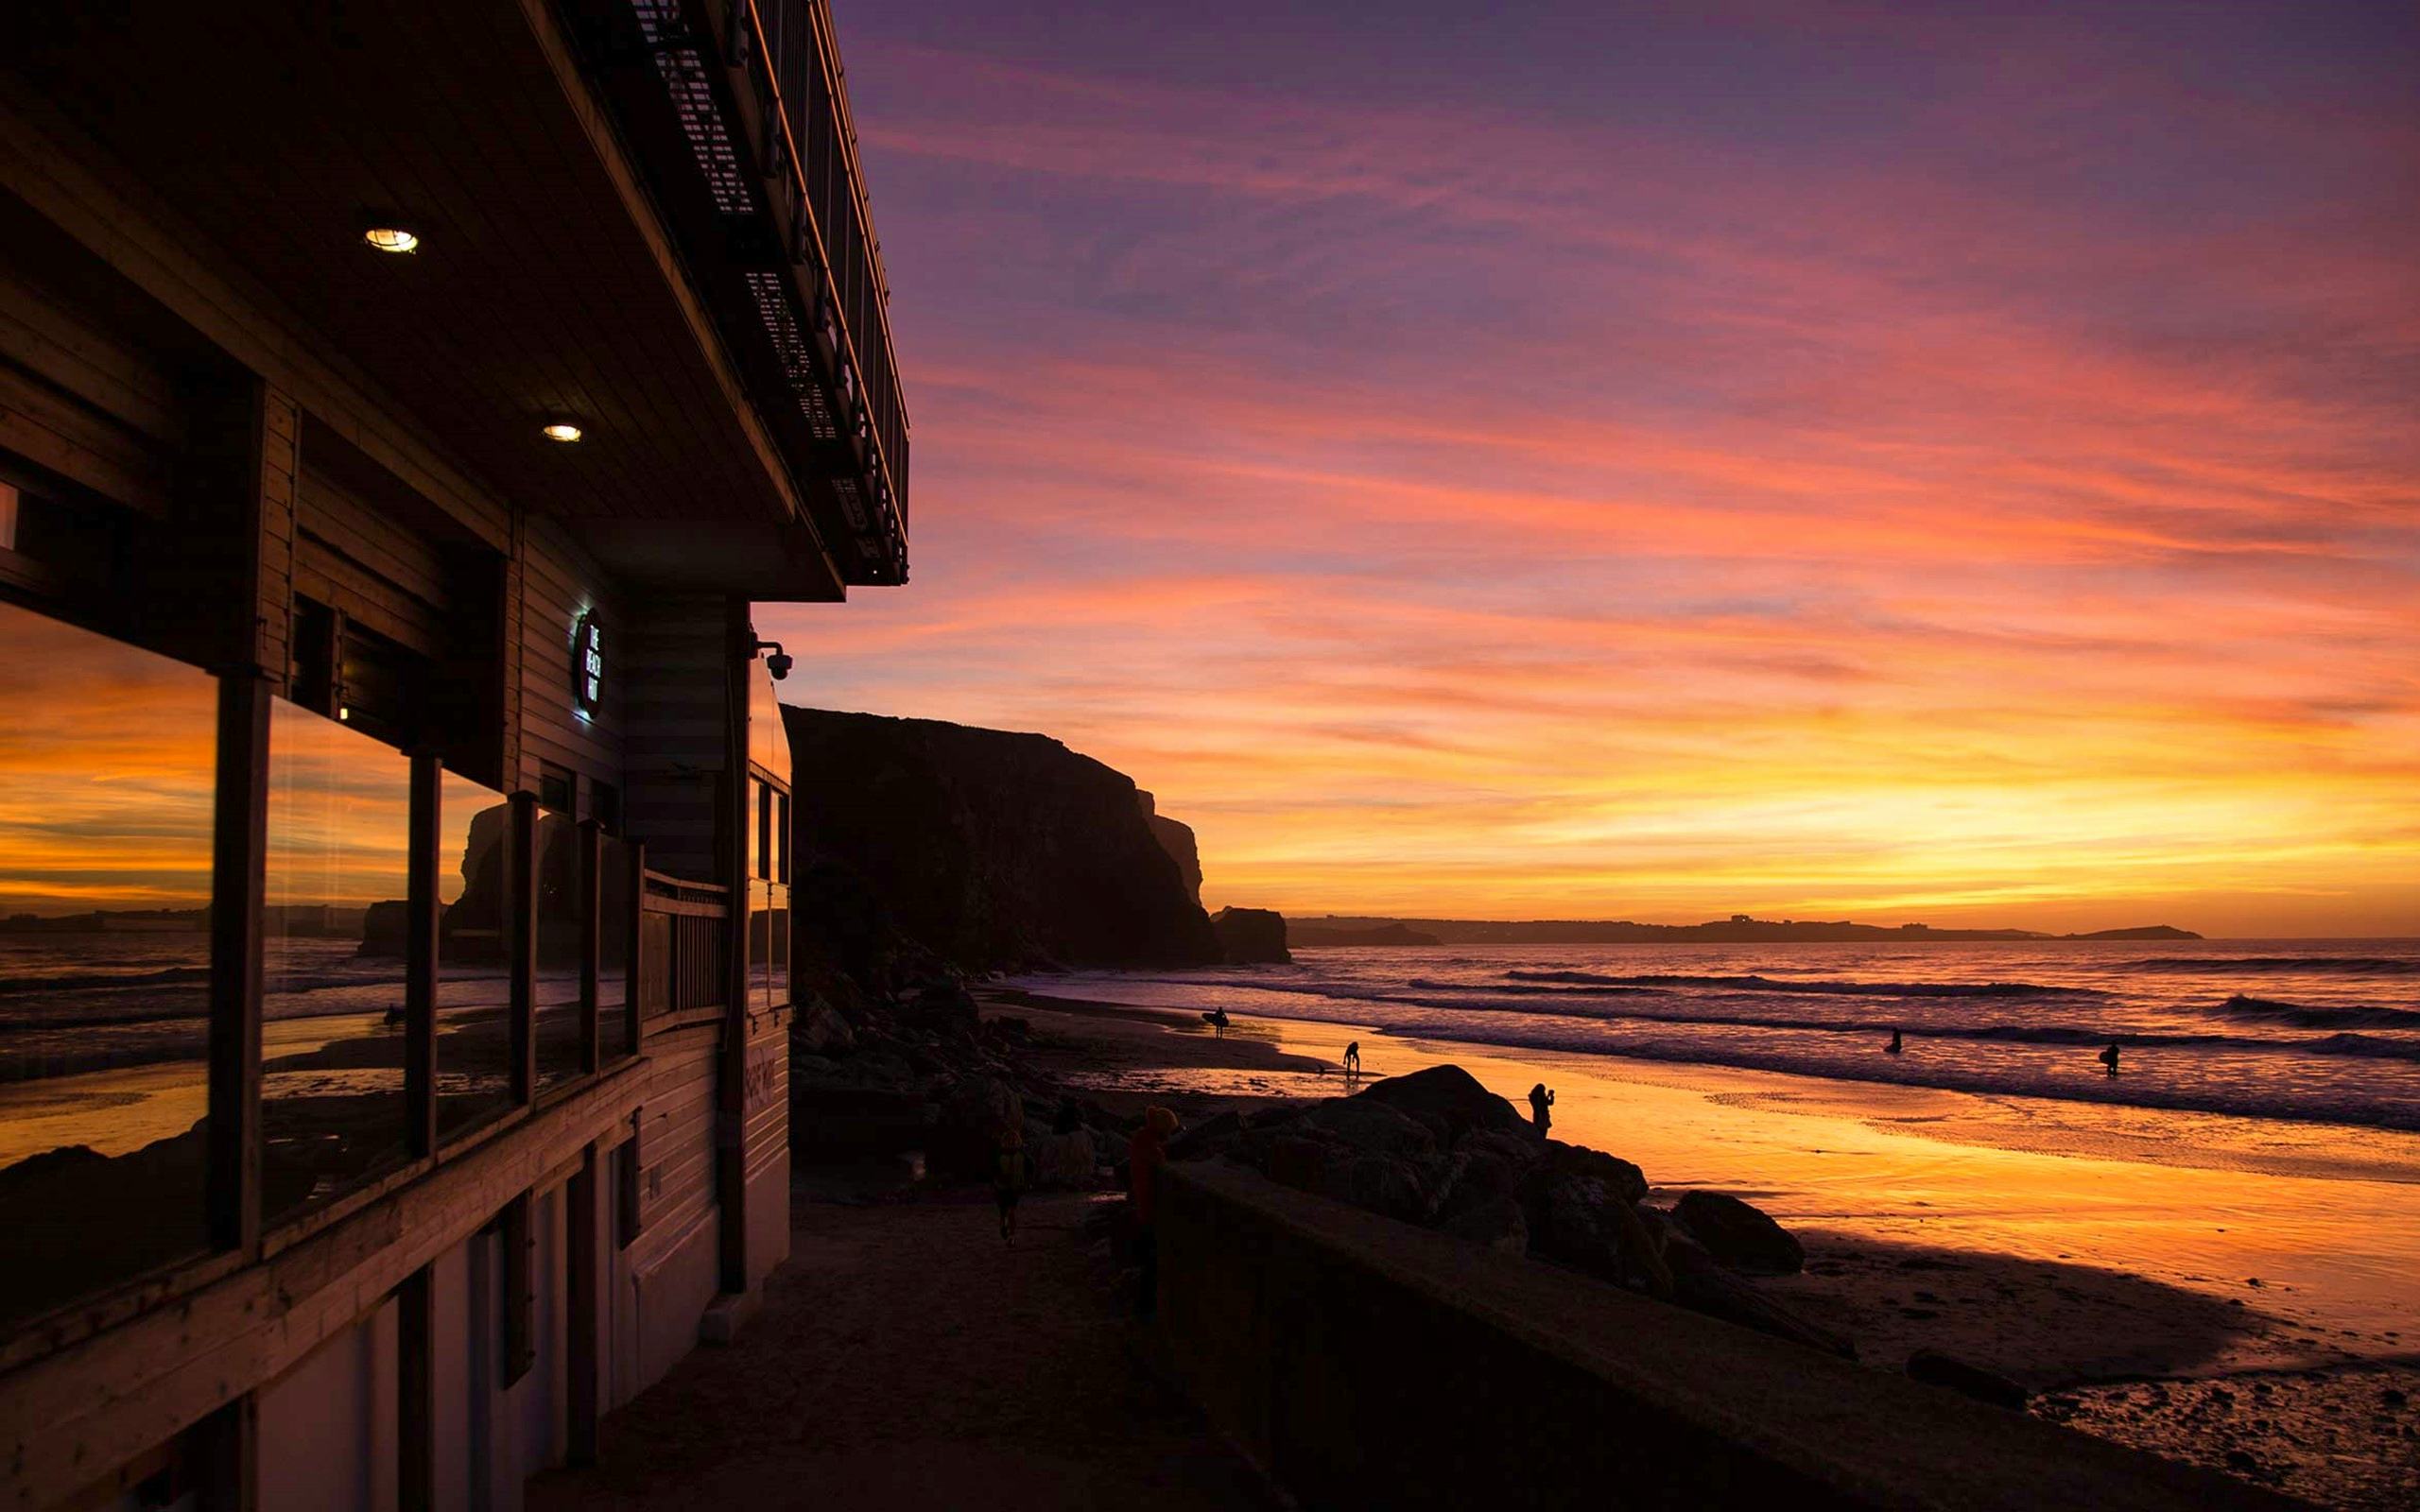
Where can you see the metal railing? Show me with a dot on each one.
(789, 50)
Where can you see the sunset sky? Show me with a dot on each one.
(1661, 461)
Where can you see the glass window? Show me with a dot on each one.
(559, 943)
(332, 1062)
(474, 980)
(107, 763)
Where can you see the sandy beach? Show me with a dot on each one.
(2219, 1290)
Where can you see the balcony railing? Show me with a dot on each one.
(748, 97)
(681, 962)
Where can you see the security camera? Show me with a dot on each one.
(778, 665)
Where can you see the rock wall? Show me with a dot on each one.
(991, 848)
(1177, 840)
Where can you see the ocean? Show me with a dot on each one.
(2322, 1030)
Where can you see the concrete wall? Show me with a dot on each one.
(1363, 1361)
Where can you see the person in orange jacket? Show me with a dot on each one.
(1145, 1154)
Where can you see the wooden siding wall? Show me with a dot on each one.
(84, 401)
(560, 582)
(354, 556)
(677, 726)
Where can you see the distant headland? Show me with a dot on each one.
(1739, 929)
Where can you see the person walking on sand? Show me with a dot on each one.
(2109, 1057)
(1145, 1154)
(1894, 1047)
(1352, 1057)
(1010, 1175)
(1540, 1100)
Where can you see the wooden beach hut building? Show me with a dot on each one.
(401, 408)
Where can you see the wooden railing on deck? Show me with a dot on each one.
(681, 942)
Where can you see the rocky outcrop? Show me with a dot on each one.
(1177, 840)
(1249, 937)
(1438, 1149)
(990, 849)
(1738, 1235)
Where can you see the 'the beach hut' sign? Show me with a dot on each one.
(588, 664)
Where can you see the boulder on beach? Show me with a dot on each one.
(1739, 1235)
(819, 1030)
(1373, 1129)
(1496, 1225)
(1450, 1094)
(1068, 1161)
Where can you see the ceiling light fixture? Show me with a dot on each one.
(563, 430)
(391, 239)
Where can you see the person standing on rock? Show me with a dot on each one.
(1011, 1174)
(1540, 1100)
(1145, 1154)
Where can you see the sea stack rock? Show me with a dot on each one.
(1249, 937)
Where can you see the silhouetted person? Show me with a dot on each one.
(1216, 1018)
(2109, 1057)
(1145, 1154)
(1353, 1058)
(1010, 1175)
(1540, 1100)
(1894, 1047)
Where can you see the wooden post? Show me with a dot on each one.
(420, 959)
(583, 1296)
(521, 937)
(520, 1297)
(239, 848)
(631, 1012)
(227, 1455)
(731, 1082)
(416, 1394)
(591, 902)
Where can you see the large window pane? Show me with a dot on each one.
(332, 1065)
(106, 766)
(474, 980)
(560, 882)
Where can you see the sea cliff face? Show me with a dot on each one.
(993, 849)
(1176, 838)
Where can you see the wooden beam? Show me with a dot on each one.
(416, 1392)
(420, 912)
(521, 943)
(520, 1342)
(592, 901)
(585, 1296)
(731, 1081)
(239, 843)
(227, 1456)
(632, 1011)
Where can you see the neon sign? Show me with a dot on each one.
(588, 664)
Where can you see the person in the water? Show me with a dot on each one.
(1894, 1047)
(2109, 1057)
